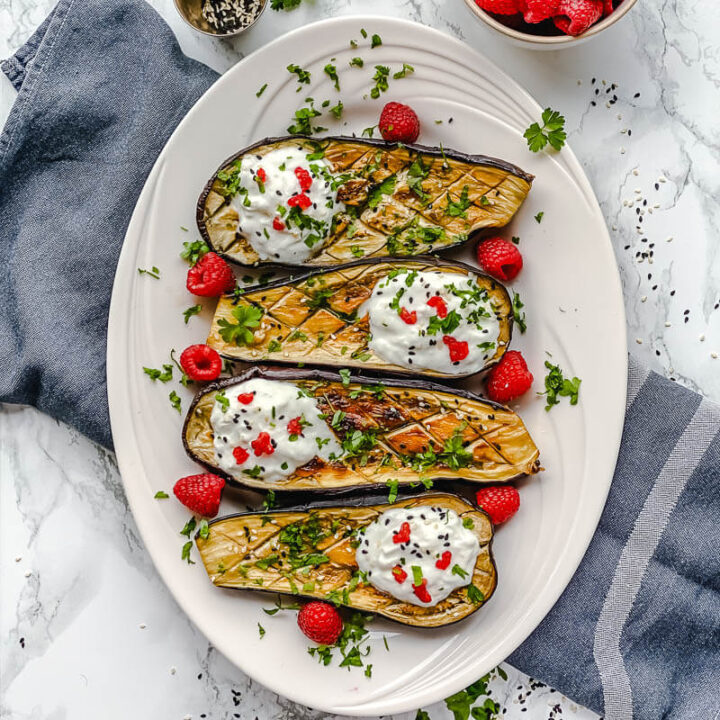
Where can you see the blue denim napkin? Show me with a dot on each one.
(101, 86)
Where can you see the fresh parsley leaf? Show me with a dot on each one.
(261, 630)
(189, 526)
(556, 386)
(194, 310)
(241, 332)
(552, 131)
(357, 62)
(303, 76)
(459, 208)
(363, 32)
(175, 401)
(539, 217)
(337, 110)
(331, 72)
(261, 90)
(406, 70)
(154, 273)
(474, 595)
(163, 375)
(422, 715)
(446, 325)
(460, 572)
(381, 81)
(345, 375)
(518, 315)
(375, 41)
(393, 487)
(193, 251)
(161, 495)
(386, 187)
(303, 120)
(204, 529)
(185, 554)
(369, 131)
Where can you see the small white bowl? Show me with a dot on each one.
(549, 42)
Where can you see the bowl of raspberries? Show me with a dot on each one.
(549, 24)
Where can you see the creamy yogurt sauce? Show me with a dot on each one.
(432, 320)
(286, 204)
(418, 555)
(267, 429)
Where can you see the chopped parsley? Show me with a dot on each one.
(406, 70)
(163, 375)
(230, 179)
(154, 273)
(204, 529)
(194, 310)
(303, 120)
(337, 110)
(175, 401)
(284, 4)
(368, 131)
(417, 172)
(241, 332)
(193, 251)
(375, 41)
(345, 375)
(357, 62)
(557, 386)
(468, 523)
(460, 572)
(446, 325)
(474, 595)
(381, 81)
(552, 131)
(393, 490)
(386, 187)
(303, 76)
(459, 208)
(222, 400)
(185, 554)
(539, 217)
(518, 315)
(161, 495)
(261, 90)
(261, 630)
(331, 72)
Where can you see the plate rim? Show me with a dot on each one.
(128, 457)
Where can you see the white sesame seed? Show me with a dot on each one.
(656, 206)
(667, 324)
(635, 172)
(622, 150)
(662, 179)
(28, 573)
(638, 190)
(702, 337)
(714, 355)
(142, 626)
(638, 341)
(18, 558)
(643, 298)
(173, 670)
(669, 239)
(619, 117)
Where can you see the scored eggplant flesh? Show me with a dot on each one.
(314, 318)
(309, 552)
(390, 431)
(399, 200)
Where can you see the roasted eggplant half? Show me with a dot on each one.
(422, 316)
(333, 433)
(317, 552)
(303, 201)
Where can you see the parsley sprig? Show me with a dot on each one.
(241, 332)
(557, 386)
(552, 131)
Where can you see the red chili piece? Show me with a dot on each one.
(241, 455)
(262, 445)
(444, 562)
(459, 349)
(294, 427)
(421, 592)
(409, 318)
(304, 178)
(439, 304)
(403, 534)
(302, 201)
(261, 174)
(399, 574)
(246, 398)
(278, 224)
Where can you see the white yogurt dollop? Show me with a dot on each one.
(256, 434)
(405, 553)
(276, 230)
(408, 331)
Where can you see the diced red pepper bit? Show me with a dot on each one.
(262, 445)
(421, 591)
(302, 201)
(294, 427)
(246, 398)
(261, 174)
(278, 224)
(409, 318)
(439, 304)
(241, 455)
(403, 534)
(399, 574)
(444, 562)
(459, 349)
(304, 178)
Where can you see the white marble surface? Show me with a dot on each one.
(87, 630)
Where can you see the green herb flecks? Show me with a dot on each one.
(175, 401)
(404, 72)
(518, 315)
(193, 251)
(161, 495)
(381, 81)
(154, 273)
(357, 62)
(539, 217)
(163, 375)
(303, 76)
(194, 310)
(552, 131)
(261, 90)
(459, 208)
(557, 386)
(331, 72)
(284, 4)
(241, 332)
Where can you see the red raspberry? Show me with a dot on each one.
(501, 7)
(459, 349)
(409, 318)
(302, 201)
(574, 17)
(294, 427)
(246, 398)
(607, 7)
(278, 224)
(399, 574)
(536, 11)
(211, 276)
(509, 379)
(241, 455)
(421, 591)
(304, 178)
(399, 123)
(403, 534)
(262, 445)
(444, 562)
(499, 258)
(320, 622)
(200, 493)
(439, 304)
(201, 362)
(500, 502)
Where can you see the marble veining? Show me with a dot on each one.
(88, 629)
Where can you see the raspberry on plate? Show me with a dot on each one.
(200, 362)
(211, 276)
(509, 379)
(320, 622)
(399, 123)
(200, 493)
(500, 502)
(499, 258)
(574, 17)
(501, 7)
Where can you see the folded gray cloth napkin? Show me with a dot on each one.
(101, 85)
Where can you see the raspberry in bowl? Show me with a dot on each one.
(549, 24)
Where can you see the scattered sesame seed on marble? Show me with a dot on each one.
(643, 298)
(714, 355)
(669, 239)
(662, 179)
(667, 324)
(18, 558)
(28, 573)
(638, 341)
(622, 150)
(702, 337)
(142, 626)
(638, 191)
(656, 206)
(173, 670)
(187, 717)
(635, 172)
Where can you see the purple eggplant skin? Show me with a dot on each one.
(454, 609)
(427, 150)
(405, 476)
(498, 290)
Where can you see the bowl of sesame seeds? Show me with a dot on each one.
(220, 18)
